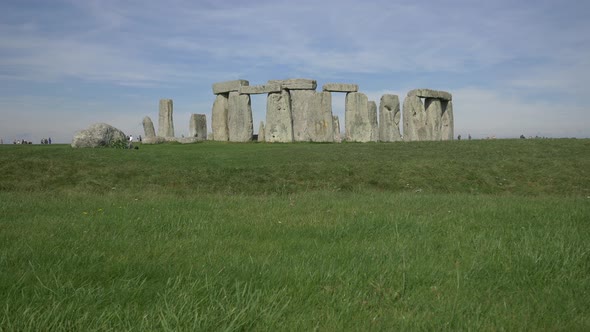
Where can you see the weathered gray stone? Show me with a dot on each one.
(427, 93)
(356, 118)
(148, 127)
(319, 121)
(340, 87)
(373, 121)
(279, 125)
(336, 127)
(296, 84)
(239, 118)
(228, 86)
(154, 140)
(302, 107)
(165, 122)
(433, 123)
(261, 132)
(414, 116)
(448, 121)
(98, 135)
(219, 118)
(259, 89)
(198, 126)
(389, 118)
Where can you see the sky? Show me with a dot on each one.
(513, 66)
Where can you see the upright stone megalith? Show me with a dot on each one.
(357, 121)
(148, 127)
(319, 118)
(239, 118)
(414, 116)
(336, 126)
(373, 121)
(279, 125)
(261, 137)
(389, 118)
(198, 126)
(433, 123)
(219, 118)
(165, 122)
(302, 107)
(448, 121)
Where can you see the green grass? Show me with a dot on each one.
(470, 235)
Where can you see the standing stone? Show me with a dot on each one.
(389, 118)
(433, 119)
(165, 123)
(336, 126)
(356, 117)
(148, 127)
(279, 124)
(198, 126)
(239, 118)
(373, 121)
(319, 118)
(219, 118)
(302, 107)
(448, 125)
(414, 119)
(261, 132)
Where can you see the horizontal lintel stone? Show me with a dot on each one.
(427, 93)
(340, 87)
(296, 84)
(228, 86)
(260, 89)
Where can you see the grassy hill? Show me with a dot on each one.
(480, 235)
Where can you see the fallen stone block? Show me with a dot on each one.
(98, 135)
(427, 93)
(296, 84)
(340, 87)
(259, 89)
(228, 86)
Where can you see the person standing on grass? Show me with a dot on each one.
(131, 141)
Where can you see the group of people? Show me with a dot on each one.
(21, 141)
(46, 140)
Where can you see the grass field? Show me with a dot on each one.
(464, 235)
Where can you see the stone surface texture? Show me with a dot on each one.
(389, 118)
(296, 84)
(148, 127)
(165, 122)
(340, 87)
(198, 126)
(301, 107)
(319, 121)
(98, 135)
(219, 118)
(239, 118)
(433, 123)
(414, 117)
(427, 93)
(373, 121)
(336, 127)
(279, 125)
(228, 86)
(356, 117)
(261, 137)
(260, 89)
(447, 122)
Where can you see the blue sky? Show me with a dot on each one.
(514, 67)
